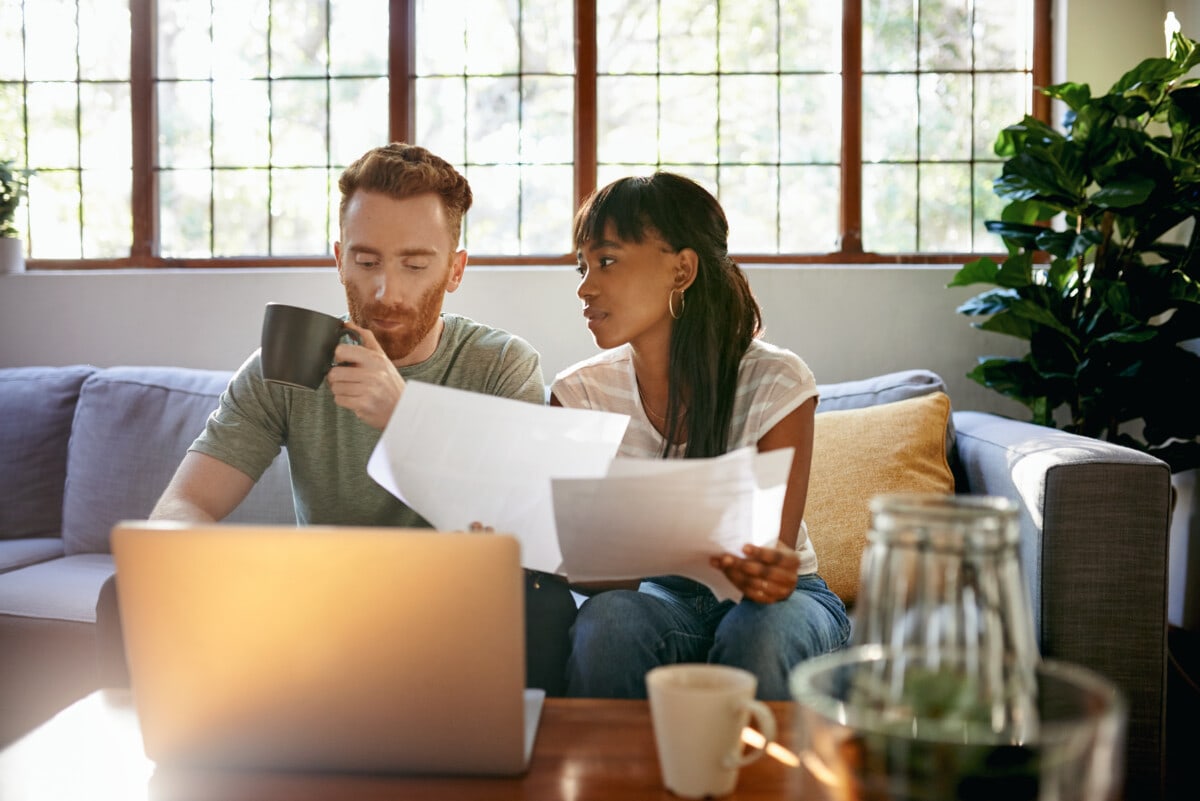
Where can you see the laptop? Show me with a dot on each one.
(326, 648)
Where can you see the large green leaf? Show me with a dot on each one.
(980, 271)
(1066, 244)
(1075, 95)
(1008, 324)
(993, 301)
(1040, 315)
(1148, 77)
(1015, 138)
(1122, 194)
(1048, 174)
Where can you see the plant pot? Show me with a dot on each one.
(12, 255)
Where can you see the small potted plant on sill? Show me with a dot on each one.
(1102, 276)
(13, 184)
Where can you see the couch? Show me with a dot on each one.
(82, 447)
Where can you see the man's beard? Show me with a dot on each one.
(418, 321)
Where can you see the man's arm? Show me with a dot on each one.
(203, 490)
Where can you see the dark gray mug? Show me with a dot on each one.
(298, 344)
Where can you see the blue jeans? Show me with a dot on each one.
(620, 634)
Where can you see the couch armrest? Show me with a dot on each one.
(1095, 519)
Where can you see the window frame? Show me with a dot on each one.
(402, 125)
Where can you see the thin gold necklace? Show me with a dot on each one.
(646, 405)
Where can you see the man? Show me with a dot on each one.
(400, 219)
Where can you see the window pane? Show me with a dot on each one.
(689, 119)
(493, 127)
(185, 201)
(746, 101)
(750, 197)
(945, 34)
(107, 213)
(297, 40)
(988, 206)
(493, 224)
(626, 37)
(51, 38)
(810, 119)
(12, 51)
(808, 209)
(545, 192)
(441, 47)
(104, 43)
(358, 37)
(441, 116)
(889, 118)
(299, 203)
(241, 123)
(239, 38)
(889, 35)
(889, 208)
(104, 115)
(358, 117)
(298, 123)
(1000, 101)
(547, 34)
(945, 208)
(54, 215)
(749, 36)
(492, 38)
(810, 36)
(183, 39)
(240, 203)
(184, 118)
(689, 36)
(625, 120)
(547, 124)
(945, 130)
(53, 125)
(1003, 31)
(12, 141)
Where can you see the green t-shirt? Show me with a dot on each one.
(328, 446)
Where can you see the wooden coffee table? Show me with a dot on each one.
(586, 749)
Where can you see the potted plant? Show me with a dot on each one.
(1102, 274)
(12, 190)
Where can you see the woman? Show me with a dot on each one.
(678, 323)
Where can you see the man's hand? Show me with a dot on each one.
(364, 379)
(766, 575)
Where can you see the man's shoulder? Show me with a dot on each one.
(461, 329)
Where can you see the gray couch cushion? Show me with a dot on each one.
(133, 425)
(28, 551)
(36, 407)
(878, 389)
(61, 589)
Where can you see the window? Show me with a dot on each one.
(211, 132)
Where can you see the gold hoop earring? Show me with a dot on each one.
(671, 303)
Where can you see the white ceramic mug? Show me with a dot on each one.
(699, 712)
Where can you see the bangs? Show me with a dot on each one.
(622, 204)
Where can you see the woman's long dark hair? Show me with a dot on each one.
(720, 316)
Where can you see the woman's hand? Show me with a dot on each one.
(765, 575)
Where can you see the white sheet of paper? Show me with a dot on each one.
(652, 517)
(458, 457)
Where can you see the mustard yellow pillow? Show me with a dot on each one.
(861, 453)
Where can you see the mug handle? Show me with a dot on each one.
(764, 721)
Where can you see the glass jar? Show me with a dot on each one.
(941, 573)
